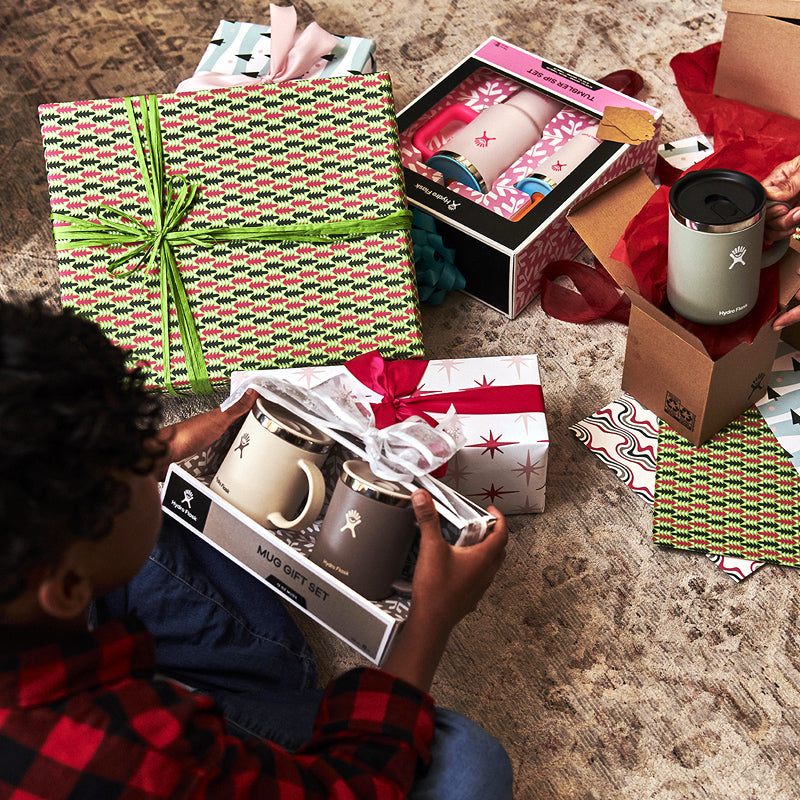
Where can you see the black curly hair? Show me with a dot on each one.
(72, 412)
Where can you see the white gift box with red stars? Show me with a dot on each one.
(498, 401)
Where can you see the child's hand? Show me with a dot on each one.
(450, 581)
(448, 584)
(196, 433)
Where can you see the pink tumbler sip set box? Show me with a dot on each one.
(499, 150)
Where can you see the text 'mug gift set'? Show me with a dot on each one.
(501, 147)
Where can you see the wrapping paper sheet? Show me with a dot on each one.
(624, 436)
(736, 495)
(780, 406)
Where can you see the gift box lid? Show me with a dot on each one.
(284, 213)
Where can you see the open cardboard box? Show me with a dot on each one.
(667, 369)
(501, 258)
(760, 54)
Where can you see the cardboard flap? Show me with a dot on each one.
(601, 219)
(748, 71)
(789, 9)
(674, 327)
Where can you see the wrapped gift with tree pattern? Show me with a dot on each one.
(241, 228)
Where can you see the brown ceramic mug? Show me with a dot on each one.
(367, 532)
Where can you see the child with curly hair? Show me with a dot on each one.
(218, 698)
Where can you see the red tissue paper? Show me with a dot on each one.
(747, 139)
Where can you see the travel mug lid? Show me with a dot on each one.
(288, 426)
(360, 478)
(455, 167)
(717, 200)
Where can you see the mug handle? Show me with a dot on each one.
(458, 112)
(314, 501)
(777, 250)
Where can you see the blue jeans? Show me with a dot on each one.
(223, 632)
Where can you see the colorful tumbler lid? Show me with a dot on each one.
(455, 168)
(534, 184)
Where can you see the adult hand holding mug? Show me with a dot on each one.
(783, 185)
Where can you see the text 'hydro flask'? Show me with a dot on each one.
(715, 250)
(490, 141)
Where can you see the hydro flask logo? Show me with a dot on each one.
(737, 256)
(352, 520)
(188, 496)
(243, 442)
(483, 141)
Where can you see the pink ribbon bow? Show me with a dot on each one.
(293, 54)
(398, 383)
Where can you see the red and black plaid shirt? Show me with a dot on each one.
(86, 719)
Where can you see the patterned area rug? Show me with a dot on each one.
(608, 667)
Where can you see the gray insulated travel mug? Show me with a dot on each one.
(715, 249)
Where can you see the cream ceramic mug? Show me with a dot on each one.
(273, 468)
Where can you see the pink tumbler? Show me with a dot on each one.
(489, 142)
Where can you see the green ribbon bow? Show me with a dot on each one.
(170, 201)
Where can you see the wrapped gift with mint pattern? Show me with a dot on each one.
(241, 228)
(244, 48)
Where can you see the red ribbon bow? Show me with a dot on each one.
(398, 383)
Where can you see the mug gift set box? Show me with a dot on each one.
(501, 147)
(667, 368)
(198, 492)
(289, 240)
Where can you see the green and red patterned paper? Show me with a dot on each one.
(737, 495)
(290, 230)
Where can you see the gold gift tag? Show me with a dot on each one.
(626, 125)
